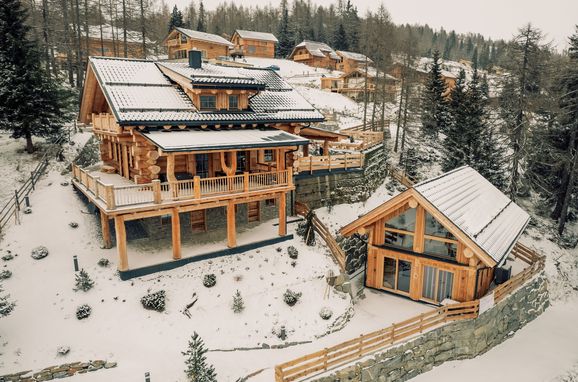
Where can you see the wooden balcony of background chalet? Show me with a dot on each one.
(328, 162)
(117, 198)
(301, 57)
(365, 140)
(173, 42)
(105, 124)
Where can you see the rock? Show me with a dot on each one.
(64, 184)
(39, 253)
(103, 262)
(60, 374)
(346, 287)
(7, 257)
(325, 313)
(109, 365)
(5, 274)
(63, 350)
(73, 224)
(27, 210)
(292, 252)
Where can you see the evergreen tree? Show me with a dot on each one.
(176, 20)
(238, 305)
(83, 281)
(340, 38)
(285, 45)
(202, 20)
(196, 361)
(6, 306)
(454, 154)
(31, 102)
(434, 115)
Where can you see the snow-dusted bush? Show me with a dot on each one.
(104, 262)
(27, 210)
(293, 263)
(196, 361)
(83, 281)
(83, 311)
(63, 350)
(5, 274)
(209, 280)
(280, 331)
(325, 313)
(290, 297)
(73, 224)
(154, 301)
(8, 257)
(6, 306)
(39, 252)
(293, 252)
(237, 305)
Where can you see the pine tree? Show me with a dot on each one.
(340, 38)
(6, 306)
(202, 21)
(31, 103)
(285, 44)
(176, 20)
(238, 305)
(434, 115)
(453, 153)
(83, 281)
(196, 361)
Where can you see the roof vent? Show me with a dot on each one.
(195, 59)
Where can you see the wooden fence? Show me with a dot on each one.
(328, 162)
(400, 175)
(364, 140)
(338, 253)
(11, 210)
(356, 348)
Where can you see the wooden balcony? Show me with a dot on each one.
(301, 57)
(122, 197)
(105, 124)
(363, 140)
(328, 162)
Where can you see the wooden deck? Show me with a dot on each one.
(328, 162)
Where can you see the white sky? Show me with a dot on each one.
(492, 18)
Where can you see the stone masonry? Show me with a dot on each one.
(57, 372)
(458, 340)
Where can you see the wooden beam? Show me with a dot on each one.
(176, 231)
(105, 227)
(125, 169)
(282, 214)
(231, 229)
(121, 243)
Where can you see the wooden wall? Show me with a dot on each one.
(318, 62)
(210, 50)
(254, 48)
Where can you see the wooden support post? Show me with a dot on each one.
(171, 175)
(110, 202)
(157, 191)
(325, 147)
(231, 229)
(197, 187)
(105, 228)
(290, 176)
(282, 214)
(246, 182)
(125, 171)
(121, 242)
(176, 230)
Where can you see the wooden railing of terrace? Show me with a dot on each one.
(365, 140)
(105, 123)
(194, 189)
(356, 348)
(328, 162)
(401, 176)
(338, 253)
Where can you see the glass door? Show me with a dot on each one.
(437, 284)
(396, 274)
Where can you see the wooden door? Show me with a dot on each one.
(254, 211)
(199, 221)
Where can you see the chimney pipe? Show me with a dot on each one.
(195, 59)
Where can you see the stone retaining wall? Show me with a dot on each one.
(56, 372)
(458, 340)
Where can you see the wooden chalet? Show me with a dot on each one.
(184, 138)
(441, 239)
(351, 61)
(358, 81)
(316, 54)
(181, 40)
(253, 44)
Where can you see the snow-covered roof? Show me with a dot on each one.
(252, 35)
(209, 37)
(109, 33)
(209, 139)
(318, 49)
(354, 56)
(477, 208)
(139, 93)
(371, 73)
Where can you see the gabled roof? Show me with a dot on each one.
(359, 57)
(469, 203)
(203, 36)
(251, 35)
(139, 93)
(318, 49)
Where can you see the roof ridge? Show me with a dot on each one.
(440, 176)
(120, 58)
(493, 219)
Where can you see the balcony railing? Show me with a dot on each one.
(196, 189)
(105, 123)
(328, 162)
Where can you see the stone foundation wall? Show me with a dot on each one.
(330, 188)
(454, 341)
(56, 372)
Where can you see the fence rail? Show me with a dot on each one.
(11, 210)
(356, 348)
(338, 253)
(401, 176)
(328, 162)
(365, 140)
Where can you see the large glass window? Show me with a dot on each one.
(404, 221)
(440, 248)
(208, 102)
(437, 284)
(241, 161)
(400, 240)
(202, 165)
(428, 289)
(434, 228)
(389, 266)
(268, 156)
(445, 285)
(403, 275)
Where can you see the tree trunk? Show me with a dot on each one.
(45, 36)
(66, 22)
(399, 111)
(124, 35)
(143, 29)
(573, 165)
(404, 126)
(365, 100)
(29, 144)
(100, 27)
(79, 68)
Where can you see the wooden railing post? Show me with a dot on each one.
(328, 161)
(96, 180)
(110, 203)
(279, 374)
(290, 177)
(157, 198)
(246, 181)
(197, 187)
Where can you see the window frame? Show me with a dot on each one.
(236, 98)
(205, 96)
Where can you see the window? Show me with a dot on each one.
(208, 102)
(403, 275)
(404, 221)
(440, 248)
(438, 240)
(183, 39)
(399, 240)
(434, 228)
(389, 267)
(241, 161)
(180, 54)
(202, 165)
(270, 202)
(269, 156)
(396, 274)
(437, 284)
(251, 49)
(399, 231)
(233, 102)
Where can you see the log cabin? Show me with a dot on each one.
(353, 83)
(351, 61)
(180, 41)
(185, 138)
(316, 54)
(440, 239)
(253, 44)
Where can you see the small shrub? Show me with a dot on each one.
(325, 313)
(27, 210)
(39, 253)
(8, 257)
(293, 263)
(5, 274)
(83, 311)
(280, 332)
(83, 281)
(154, 301)
(73, 224)
(104, 262)
(293, 252)
(209, 280)
(238, 305)
(290, 297)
